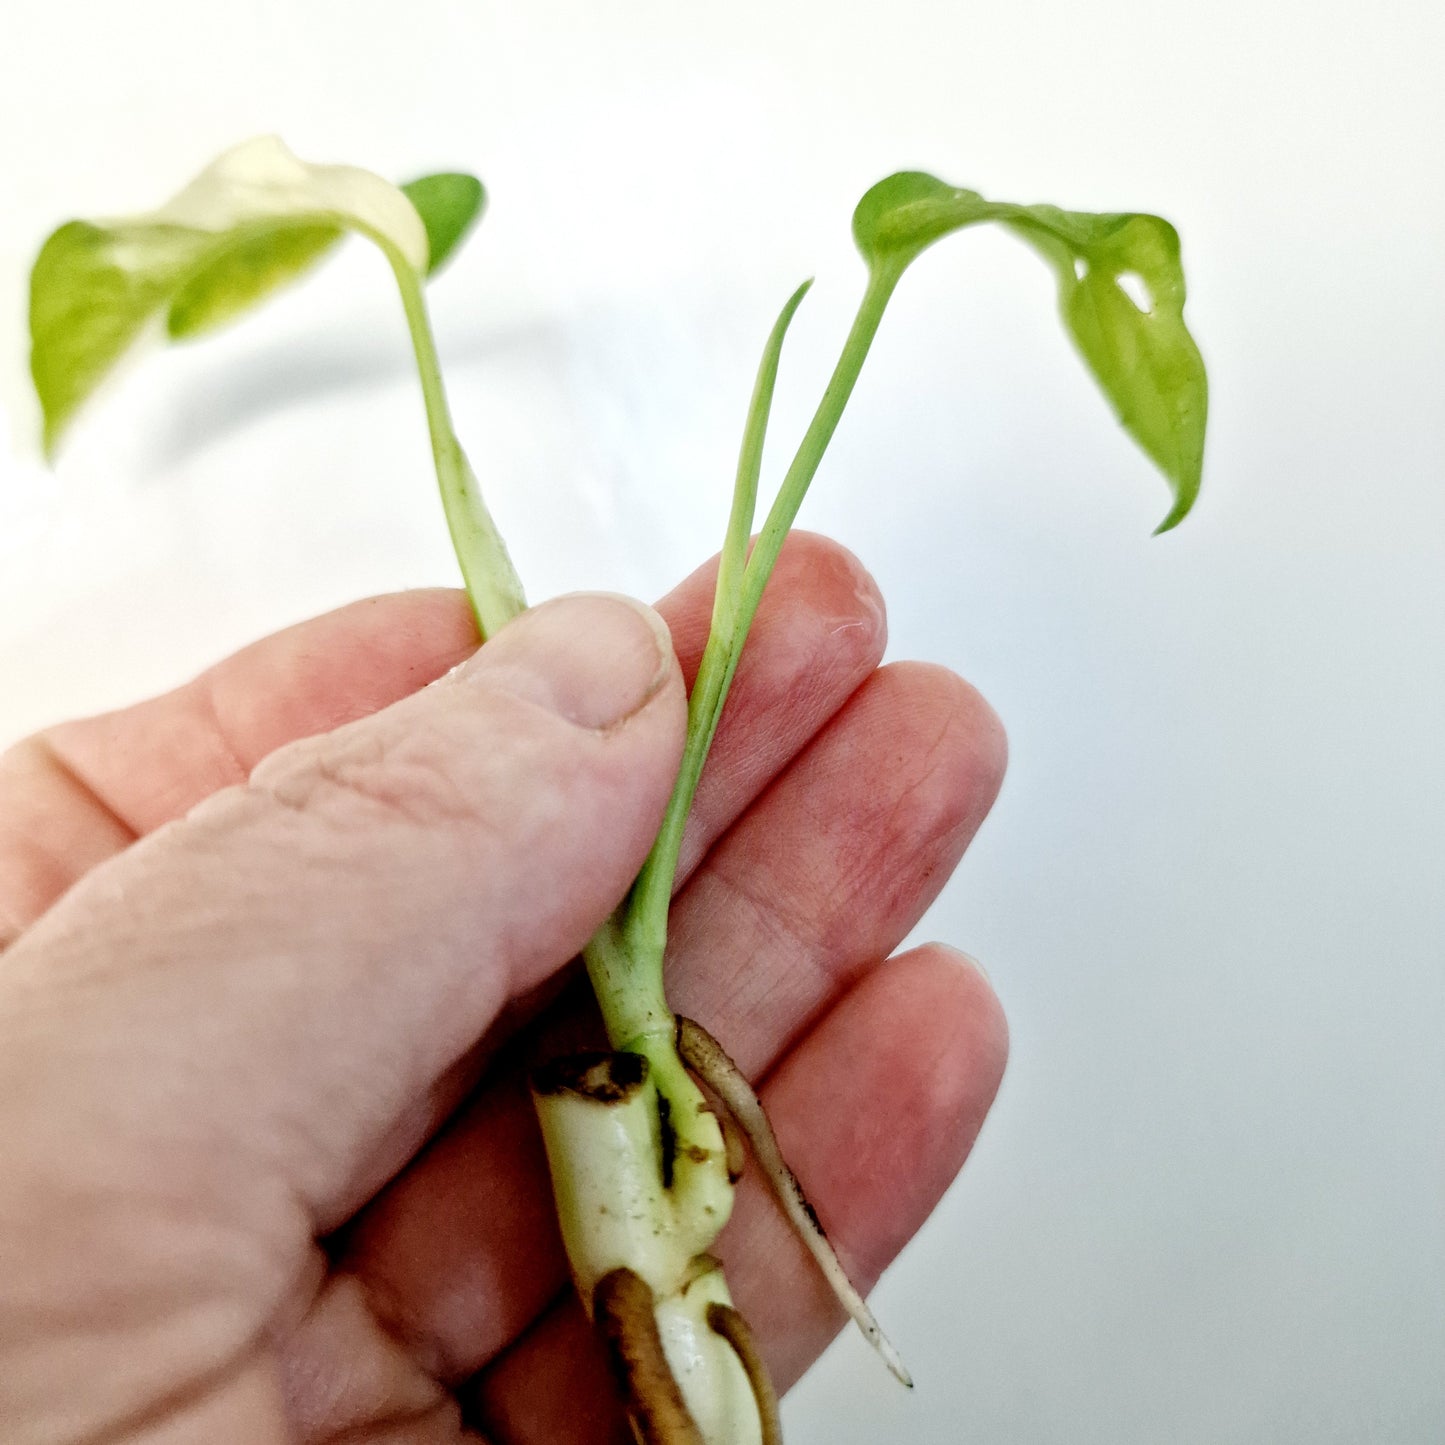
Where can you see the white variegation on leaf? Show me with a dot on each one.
(254, 219)
(261, 180)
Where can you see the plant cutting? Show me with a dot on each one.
(645, 1140)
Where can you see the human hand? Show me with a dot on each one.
(269, 1174)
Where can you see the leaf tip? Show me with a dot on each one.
(54, 417)
(796, 299)
(1182, 507)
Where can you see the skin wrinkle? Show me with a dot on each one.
(419, 1347)
(235, 699)
(132, 818)
(902, 820)
(402, 1429)
(797, 632)
(45, 871)
(156, 1412)
(383, 1383)
(923, 807)
(206, 694)
(398, 776)
(918, 813)
(47, 745)
(308, 780)
(301, 1294)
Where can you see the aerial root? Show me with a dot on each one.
(729, 1323)
(709, 1061)
(622, 1308)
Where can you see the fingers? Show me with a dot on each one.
(876, 1107)
(880, 1108)
(825, 874)
(223, 1022)
(405, 874)
(817, 637)
(79, 793)
(833, 867)
(819, 633)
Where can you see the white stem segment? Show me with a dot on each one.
(712, 1377)
(729, 1323)
(608, 1151)
(603, 1134)
(710, 1062)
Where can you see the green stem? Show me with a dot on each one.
(628, 988)
(625, 957)
(491, 580)
(732, 562)
(814, 444)
(644, 926)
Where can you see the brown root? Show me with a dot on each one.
(729, 1323)
(622, 1308)
(709, 1061)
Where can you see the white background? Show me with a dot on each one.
(1208, 1207)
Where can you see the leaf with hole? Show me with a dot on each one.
(1143, 357)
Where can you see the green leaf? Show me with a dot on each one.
(1142, 356)
(906, 212)
(253, 266)
(253, 220)
(243, 273)
(449, 205)
(86, 308)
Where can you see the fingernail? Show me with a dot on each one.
(968, 959)
(594, 658)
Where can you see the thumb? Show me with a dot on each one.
(257, 992)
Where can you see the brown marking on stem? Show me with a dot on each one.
(605, 1078)
(623, 1308)
(669, 1140)
(709, 1061)
(730, 1324)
